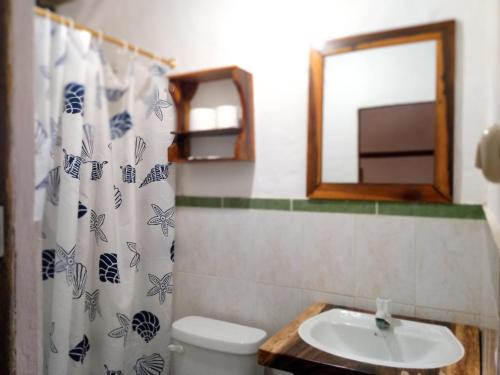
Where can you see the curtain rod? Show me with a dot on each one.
(131, 47)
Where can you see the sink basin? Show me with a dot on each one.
(407, 344)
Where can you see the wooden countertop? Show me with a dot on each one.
(286, 351)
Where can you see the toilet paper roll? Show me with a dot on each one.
(226, 116)
(201, 119)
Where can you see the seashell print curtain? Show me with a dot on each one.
(105, 196)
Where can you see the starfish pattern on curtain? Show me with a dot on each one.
(105, 265)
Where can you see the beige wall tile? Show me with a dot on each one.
(385, 258)
(447, 316)
(236, 253)
(236, 301)
(194, 295)
(329, 259)
(276, 306)
(197, 240)
(449, 258)
(490, 278)
(309, 297)
(278, 248)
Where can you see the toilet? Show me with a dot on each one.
(204, 346)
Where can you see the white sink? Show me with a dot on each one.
(406, 344)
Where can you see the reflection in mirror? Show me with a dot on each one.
(379, 115)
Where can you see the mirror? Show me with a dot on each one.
(381, 116)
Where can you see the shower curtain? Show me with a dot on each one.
(105, 196)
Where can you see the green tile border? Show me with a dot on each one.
(209, 202)
(257, 203)
(352, 207)
(450, 211)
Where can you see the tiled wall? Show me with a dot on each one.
(489, 309)
(262, 267)
(260, 262)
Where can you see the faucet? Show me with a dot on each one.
(383, 317)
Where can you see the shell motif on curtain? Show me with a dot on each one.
(105, 196)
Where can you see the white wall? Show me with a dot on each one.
(271, 39)
(489, 319)
(370, 78)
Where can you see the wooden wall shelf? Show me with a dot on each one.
(183, 88)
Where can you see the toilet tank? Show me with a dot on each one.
(204, 346)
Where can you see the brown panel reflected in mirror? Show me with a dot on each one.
(397, 170)
(397, 144)
(381, 116)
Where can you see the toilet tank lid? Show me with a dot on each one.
(218, 335)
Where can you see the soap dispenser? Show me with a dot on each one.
(488, 154)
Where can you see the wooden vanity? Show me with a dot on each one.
(286, 351)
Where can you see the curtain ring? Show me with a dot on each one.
(125, 46)
(71, 22)
(136, 51)
(156, 58)
(46, 13)
(100, 37)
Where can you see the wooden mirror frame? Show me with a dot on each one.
(441, 190)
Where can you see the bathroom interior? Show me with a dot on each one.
(210, 196)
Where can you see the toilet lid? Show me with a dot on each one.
(218, 335)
